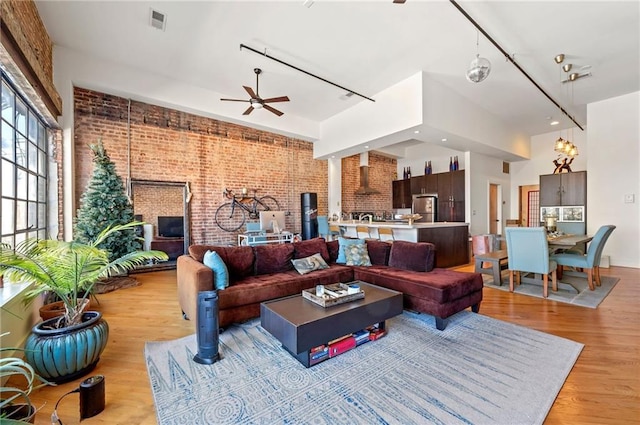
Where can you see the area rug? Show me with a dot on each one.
(478, 370)
(584, 298)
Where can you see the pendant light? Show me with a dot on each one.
(479, 68)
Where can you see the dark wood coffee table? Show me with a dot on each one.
(300, 324)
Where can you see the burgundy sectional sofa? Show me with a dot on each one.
(265, 272)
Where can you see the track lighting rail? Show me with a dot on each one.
(244, 46)
(510, 59)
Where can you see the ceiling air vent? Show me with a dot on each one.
(157, 19)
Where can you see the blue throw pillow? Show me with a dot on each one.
(220, 273)
(357, 255)
(342, 242)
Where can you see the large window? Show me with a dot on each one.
(23, 169)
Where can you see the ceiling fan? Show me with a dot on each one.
(256, 102)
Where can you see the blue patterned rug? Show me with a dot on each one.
(478, 371)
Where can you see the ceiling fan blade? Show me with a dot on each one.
(276, 99)
(248, 111)
(274, 110)
(251, 92)
(236, 100)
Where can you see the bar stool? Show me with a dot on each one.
(364, 230)
(335, 231)
(387, 232)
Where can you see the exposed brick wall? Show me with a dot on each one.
(173, 146)
(381, 172)
(25, 35)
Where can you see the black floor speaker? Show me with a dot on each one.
(207, 324)
(309, 207)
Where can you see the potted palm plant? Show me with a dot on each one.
(66, 347)
(18, 380)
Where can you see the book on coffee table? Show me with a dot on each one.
(334, 294)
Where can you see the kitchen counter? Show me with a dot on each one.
(397, 224)
(450, 238)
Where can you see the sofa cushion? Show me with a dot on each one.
(357, 255)
(415, 256)
(333, 247)
(273, 258)
(378, 252)
(260, 288)
(342, 242)
(197, 251)
(220, 273)
(238, 259)
(304, 249)
(309, 264)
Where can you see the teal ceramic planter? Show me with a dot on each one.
(62, 355)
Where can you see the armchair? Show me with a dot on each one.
(591, 261)
(528, 251)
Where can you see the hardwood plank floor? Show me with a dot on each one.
(603, 387)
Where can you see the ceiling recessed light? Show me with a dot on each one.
(554, 123)
(444, 140)
(417, 132)
(366, 147)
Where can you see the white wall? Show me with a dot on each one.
(482, 171)
(613, 172)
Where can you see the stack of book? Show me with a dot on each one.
(361, 337)
(341, 345)
(318, 354)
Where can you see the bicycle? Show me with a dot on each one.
(232, 215)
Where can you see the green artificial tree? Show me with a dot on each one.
(105, 204)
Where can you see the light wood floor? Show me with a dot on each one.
(603, 387)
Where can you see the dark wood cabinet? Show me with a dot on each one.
(451, 196)
(565, 189)
(426, 184)
(401, 193)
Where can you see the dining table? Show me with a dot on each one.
(567, 241)
(556, 243)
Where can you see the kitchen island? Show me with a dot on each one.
(450, 238)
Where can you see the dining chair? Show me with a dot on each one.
(387, 232)
(589, 262)
(528, 251)
(323, 226)
(363, 231)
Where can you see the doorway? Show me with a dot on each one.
(163, 206)
(495, 210)
(529, 208)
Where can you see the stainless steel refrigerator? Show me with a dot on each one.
(426, 205)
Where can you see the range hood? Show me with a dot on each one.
(364, 188)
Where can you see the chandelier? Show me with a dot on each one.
(562, 146)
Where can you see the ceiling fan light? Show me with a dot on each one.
(479, 69)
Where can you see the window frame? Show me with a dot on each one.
(24, 167)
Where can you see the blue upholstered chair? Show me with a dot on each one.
(323, 227)
(528, 251)
(590, 262)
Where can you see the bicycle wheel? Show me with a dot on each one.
(267, 203)
(230, 218)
